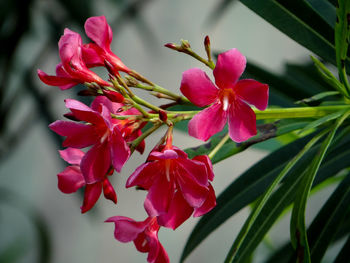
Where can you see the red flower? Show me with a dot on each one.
(228, 99)
(144, 234)
(71, 179)
(179, 209)
(176, 185)
(72, 70)
(95, 54)
(108, 145)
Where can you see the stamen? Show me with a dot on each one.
(104, 137)
(167, 170)
(225, 103)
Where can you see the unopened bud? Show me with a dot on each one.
(207, 47)
(206, 41)
(185, 44)
(163, 116)
(171, 46)
(113, 96)
(130, 81)
(108, 191)
(109, 67)
(87, 92)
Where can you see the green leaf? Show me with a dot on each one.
(326, 224)
(297, 225)
(236, 249)
(244, 190)
(299, 21)
(322, 120)
(317, 97)
(342, 38)
(343, 256)
(325, 9)
(252, 183)
(328, 76)
(265, 132)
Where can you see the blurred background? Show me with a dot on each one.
(40, 224)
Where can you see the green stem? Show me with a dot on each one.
(285, 113)
(302, 112)
(218, 146)
(156, 88)
(145, 103)
(190, 52)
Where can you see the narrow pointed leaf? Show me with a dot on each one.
(297, 226)
(343, 255)
(244, 190)
(236, 247)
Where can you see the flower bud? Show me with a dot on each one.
(113, 96)
(108, 191)
(185, 44)
(163, 116)
(171, 46)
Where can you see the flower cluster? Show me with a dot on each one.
(100, 138)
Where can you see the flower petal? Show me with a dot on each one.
(70, 48)
(144, 175)
(159, 196)
(162, 256)
(108, 191)
(61, 72)
(91, 57)
(98, 30)
(70, 180)
(207, 122)
(195, 169)
(96, 163)
(127, 229)
(229, 68)
(120, 151)
(154, 246)
(198, 88)
(72, 156)
(253, 92)
(179, 211)
(84, 113)
(242, 121)
(91, 195)
(78, 135)
(62, 82)
(194, 193)
(208, 204)
(207, 162)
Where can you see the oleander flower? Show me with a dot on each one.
(72, 69)
(71, 179)
(180, 210)
(144, 234)
(176, 185)
(228, 99)
(97, 129)
(95, 54)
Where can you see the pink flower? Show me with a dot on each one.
(95, 54)
(72, 70)
(108, 145)
(71, 179)
(144, 234)
(176, 185)
(227, 100)
(180, 210)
